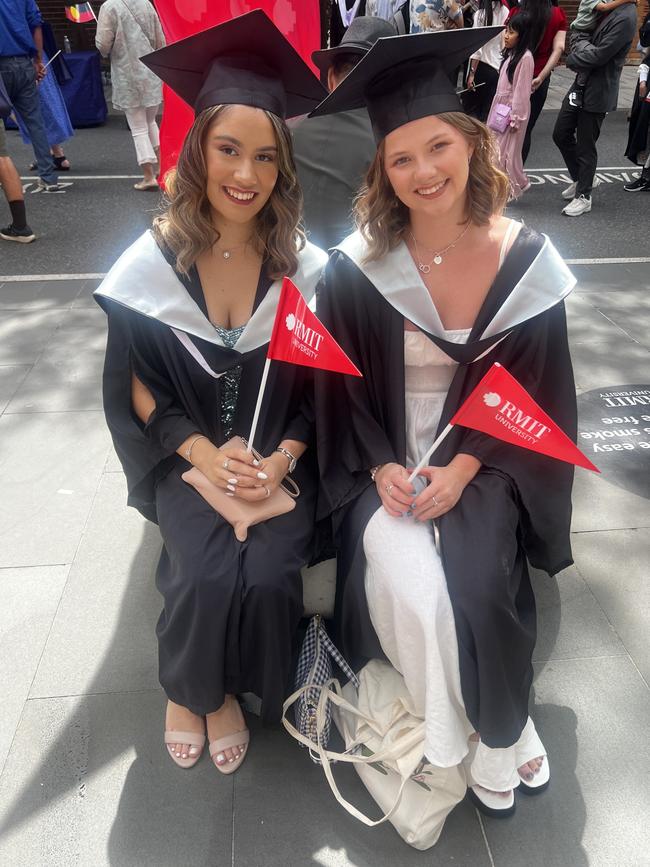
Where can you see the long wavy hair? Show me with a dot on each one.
(186, 226)
(383, 219)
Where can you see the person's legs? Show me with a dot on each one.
(537, 100)
(587, 132)
(18, 230)
(564, 136)
(145, 154)
(19, 77)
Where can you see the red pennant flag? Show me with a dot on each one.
(299, 337)
(501, 407)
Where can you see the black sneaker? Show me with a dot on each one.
(641, 184)
(22, 236)
(575, 98)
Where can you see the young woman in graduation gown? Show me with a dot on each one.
(190, 309)
(434, 287)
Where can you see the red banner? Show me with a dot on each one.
(299, 336)
(299, 21)
(501, 407)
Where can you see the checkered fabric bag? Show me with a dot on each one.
(315, 669)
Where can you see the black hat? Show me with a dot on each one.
(359, 38)
(404, 78)
(244, 61)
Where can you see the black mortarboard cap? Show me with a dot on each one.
(404, 78)
(244, 61)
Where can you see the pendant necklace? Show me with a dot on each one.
(227, 254)
(437, 257)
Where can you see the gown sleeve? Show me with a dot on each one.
(141, 448)
(349, 410)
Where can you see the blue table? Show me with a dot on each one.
(83, 94)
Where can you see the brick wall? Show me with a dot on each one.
(81, 36)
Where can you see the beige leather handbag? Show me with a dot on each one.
(239, 513)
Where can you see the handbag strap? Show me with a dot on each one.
(137, 21)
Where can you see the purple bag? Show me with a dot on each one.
(499, 119)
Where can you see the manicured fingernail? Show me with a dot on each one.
(231, 487)
(413, 505)
(261, 475)
(232, 481)
(408, 514)
(228, 494)
(256, 463)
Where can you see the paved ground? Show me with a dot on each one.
(84, 779)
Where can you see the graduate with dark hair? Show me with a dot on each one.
(190, 308)
(434, 287)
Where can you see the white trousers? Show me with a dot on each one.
(144, 129)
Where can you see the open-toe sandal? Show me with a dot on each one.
(234, 740)
(529, 747)
(194, 739)
(486, 801)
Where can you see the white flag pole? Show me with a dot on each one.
(93, 11)
(54, 57)
(258, 405)
(425, 459)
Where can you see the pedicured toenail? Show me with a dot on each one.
(529, 776)
(184, 755)
(221, 758)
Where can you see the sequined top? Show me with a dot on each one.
(230, 380)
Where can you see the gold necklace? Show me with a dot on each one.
(437, 257)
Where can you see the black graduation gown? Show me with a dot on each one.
(637, 141)
(519, 504)
(230, 609)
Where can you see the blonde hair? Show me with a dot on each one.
(186, 226)
(383, 219)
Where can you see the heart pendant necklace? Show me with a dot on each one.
(425, 267)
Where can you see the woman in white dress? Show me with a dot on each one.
(127, 30)
(434, 287)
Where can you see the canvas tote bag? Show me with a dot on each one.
(384, 740)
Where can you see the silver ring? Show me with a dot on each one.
(389, 488)
(268, 490)
(435, 502)
(225, 463)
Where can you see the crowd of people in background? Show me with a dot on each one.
(505, 84)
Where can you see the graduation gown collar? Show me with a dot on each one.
(142, 280)
(545, 282)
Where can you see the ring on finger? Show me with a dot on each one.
(435, 502)
(268, 490)
(225, 463)
(389, 488)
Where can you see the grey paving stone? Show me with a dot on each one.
(587, 324)
(113, 464)
(592, 716)
(599, 504)
(85, 296)
(613, 277)
(103, 636)
(38, 294)
(605, 363)
(11, 376)
(24, 334)
(630, 310)
(616, 566)
(88, 784)
(68, 374)
(570, 622)
(29, 600)
(286, 816)
(50, 464)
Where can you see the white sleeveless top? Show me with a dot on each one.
(428, 374)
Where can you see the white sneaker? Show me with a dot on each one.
(579, 206)
(570, 192)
